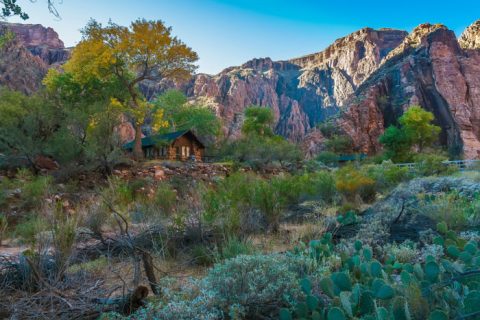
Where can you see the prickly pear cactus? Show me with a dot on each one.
(367, 288)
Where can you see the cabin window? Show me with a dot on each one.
(163, 151)
(185, 151)
(149, 153)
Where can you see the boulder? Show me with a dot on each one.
(399, 217)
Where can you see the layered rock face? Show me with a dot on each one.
(302, 92)
(25, 59)
(470, 38)
(367, 80)
(40, 41)
(430, 69)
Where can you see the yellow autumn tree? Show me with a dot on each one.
(144, 51)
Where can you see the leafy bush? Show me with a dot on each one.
(328, 129)
(3, 227)
(229, 202)
(93, 266)
(432, 164)
(257, 284)
(339, 144)
(233, 247)
(397, 144)
(242, 203)
(319, 185)
(260, 153)
(202, 255)
(165, 198)
(328, 158)
(351, 182)
(235, 203)
(28, 229)
(245, 287)
(270, 200)
(386, 175)
(34, 188)
(259, 148)
(457, 211)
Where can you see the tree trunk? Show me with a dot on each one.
(137, 272)
(137, 146)
(150, 273)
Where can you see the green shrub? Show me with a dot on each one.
(328, 158)
(351, 182)
(202, 255)
(258, 285)
(233, 247)
(432, 164)
(386, 175)
(226, 203)
(235, 203)
(118, 192)
(456, 211)
(34, 189)
(270, 201)
(262, 152)
(165, 198)
(319, 185)
(28, 229)
(244, 287)
(339, 144)
(94, 266)
(3, 227)
(328, 129)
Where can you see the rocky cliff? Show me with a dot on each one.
(430, 68)
(26, 57)
(366, 80)
(470, 38)
(302, 92)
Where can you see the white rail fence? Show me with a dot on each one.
(462, 165)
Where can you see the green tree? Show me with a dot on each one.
(397, 143)
(89, 121)
(259, 121)
(339, 144)
(27, 125)
(259, 147)
(416, 123)
(144, 51)
(182, 115)
(416, 130)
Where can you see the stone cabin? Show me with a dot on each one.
(179, 145)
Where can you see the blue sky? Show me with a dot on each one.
(226, 32)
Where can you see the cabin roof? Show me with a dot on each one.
(153, 140)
